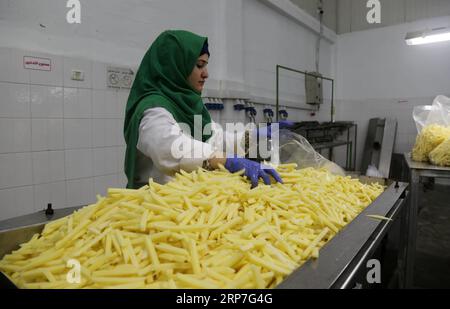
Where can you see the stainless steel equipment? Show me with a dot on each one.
(379, 145)
(16, 231)
(341, 262)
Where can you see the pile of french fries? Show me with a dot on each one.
(202, 230)
(441, 154)
(428, 140)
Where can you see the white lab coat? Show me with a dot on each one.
(158, 131)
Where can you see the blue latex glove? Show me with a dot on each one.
(267, 131)
(253, 170)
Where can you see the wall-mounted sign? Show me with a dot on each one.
(119, 77)
(36, 63)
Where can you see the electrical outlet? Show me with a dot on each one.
(119, 77)
(77, 75)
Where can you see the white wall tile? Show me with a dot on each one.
(113, 133)
(98, 104)
(14, 100)
(70, 100)
(118, 132)
(111, 102)
(99, 75)
(85, 103)
(122, 98)
(77, 133)
(121, 180)
(102, 183)
(16, 202)
(99, 132)
(105, 132)
(49, 78)
(228, 112)
(78, 163)
(14, 68)
(100, 107)
(83, 65)
(77, 103)
(15, 135)
(5, 64)
(46, 101)
(15, 170)
(48, 166)
(47, 134)
(80, 192)
(54, 193)
(120, 158)
(104, 161)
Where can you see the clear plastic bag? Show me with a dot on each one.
(433, 125)
(372, 171)
(294, 148)
(438, 113)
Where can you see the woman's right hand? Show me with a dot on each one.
(253, 170)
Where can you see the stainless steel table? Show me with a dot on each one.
(417, 170)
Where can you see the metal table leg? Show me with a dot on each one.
(356, 144)
(412, 227)
(403, 244)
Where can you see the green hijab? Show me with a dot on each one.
(161, 81)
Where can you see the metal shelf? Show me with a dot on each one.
(323, 136)
(319, 146)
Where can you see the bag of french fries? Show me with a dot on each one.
(433, 125)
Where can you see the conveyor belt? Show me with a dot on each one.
(339, 262)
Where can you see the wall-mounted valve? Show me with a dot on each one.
(268, 115)
(213, 104)
(283, 114)
(251, 112)
(239, 106)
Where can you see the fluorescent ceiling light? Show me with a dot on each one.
(428, 36)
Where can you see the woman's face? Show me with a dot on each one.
(199, 74)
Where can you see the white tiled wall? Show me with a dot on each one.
(17, 201)
(46, 101)
(48, 134)
(48, 167)
(61, 140)
(15, 100)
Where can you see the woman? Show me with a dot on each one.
(166, 93)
